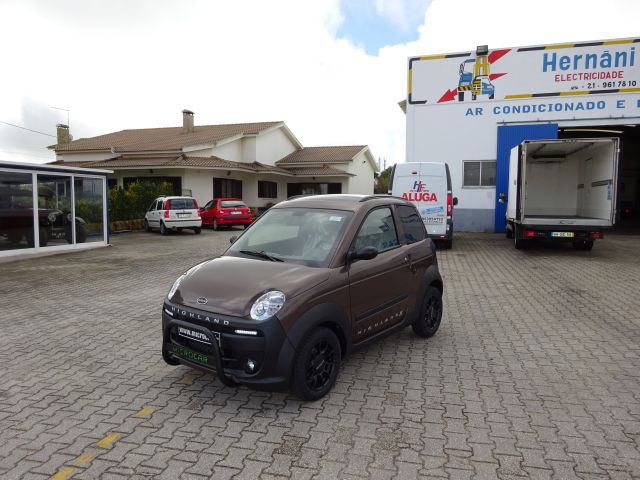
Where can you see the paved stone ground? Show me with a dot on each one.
(535, 373)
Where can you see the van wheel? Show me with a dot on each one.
(583, 245)
(163, 229)
(518, 242)
(316, 365)
(508, 231)
(147, 228)
(427, 324)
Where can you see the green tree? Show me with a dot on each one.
(382, 181)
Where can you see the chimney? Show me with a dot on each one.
(62, 132)
(187, 121)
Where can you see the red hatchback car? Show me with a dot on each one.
(225, 211)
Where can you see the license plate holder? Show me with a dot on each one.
(562, 234)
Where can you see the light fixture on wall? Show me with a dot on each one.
(228, 172)
(150, 170)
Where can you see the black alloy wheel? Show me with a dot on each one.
(427, 324)
(316, 367)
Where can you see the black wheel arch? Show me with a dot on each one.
(327, 315)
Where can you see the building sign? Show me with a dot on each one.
(564, 70)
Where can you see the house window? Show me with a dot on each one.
(267, 189)
(479, 174)
(312, 188)
(227, 188)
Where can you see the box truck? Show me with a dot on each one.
(561, 190)
(428, 186)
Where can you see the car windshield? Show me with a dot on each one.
(296, 235)
(232, 203)
(182, 203)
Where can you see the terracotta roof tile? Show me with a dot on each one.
(322, 155)
(163, 139)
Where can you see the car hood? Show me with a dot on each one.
(231, 285)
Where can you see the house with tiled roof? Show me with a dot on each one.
(261, 163)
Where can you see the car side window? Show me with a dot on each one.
(378, 230)
(412, 225)
(208, 205)
(152, 206)
(159, 205)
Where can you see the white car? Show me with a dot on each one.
(173, 213)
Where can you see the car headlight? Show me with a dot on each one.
(175, 286)
(267, 305)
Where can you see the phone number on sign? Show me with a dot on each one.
(433, 220)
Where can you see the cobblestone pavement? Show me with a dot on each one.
(535, 373)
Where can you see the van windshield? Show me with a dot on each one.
(307, 236)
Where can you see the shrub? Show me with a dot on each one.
(132, 203)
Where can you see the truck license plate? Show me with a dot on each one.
(562, 234)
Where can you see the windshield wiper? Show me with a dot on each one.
(261, 254)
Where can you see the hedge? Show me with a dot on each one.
(132, 203)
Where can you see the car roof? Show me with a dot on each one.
(341, 201)
(174, 197)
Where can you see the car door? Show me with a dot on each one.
(379, 288)
(157, 215)
(207, 212)
(151, 213)
(419, 252)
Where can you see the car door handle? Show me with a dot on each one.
(409, 260)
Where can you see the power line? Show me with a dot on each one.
(28, 129)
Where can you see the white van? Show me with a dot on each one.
(428, 186)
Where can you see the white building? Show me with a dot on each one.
(470, 108)
(261, 163)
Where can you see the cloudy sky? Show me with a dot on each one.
(333, 70)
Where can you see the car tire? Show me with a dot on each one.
(163, 229)
(81, 233)
(316, 365)
(197, 230)
(427, 324)
(245, 226)
(15, 236)
(215, 225)
(147, 228)
(44, 237)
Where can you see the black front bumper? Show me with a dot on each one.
(210, 342)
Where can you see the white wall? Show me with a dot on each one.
(363, 181)
(272, 146)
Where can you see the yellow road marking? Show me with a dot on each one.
(85, 458)
(64, 473)
(108, 440)
(145, 412)
(187, 379)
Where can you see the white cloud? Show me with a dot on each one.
(134, 64)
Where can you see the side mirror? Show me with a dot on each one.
(502, 198)
(455, 201)
(201, 209)
(233, 239)
(366, 253)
